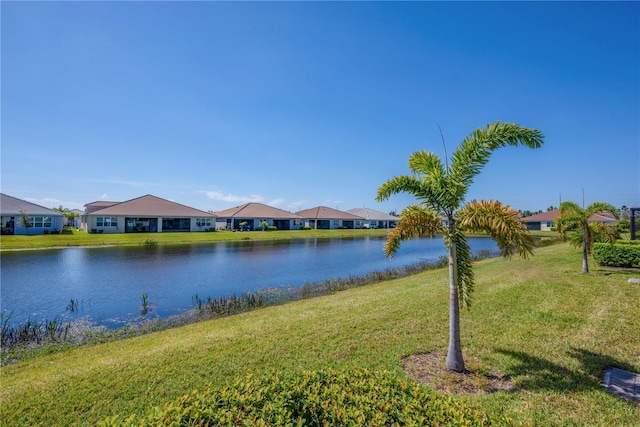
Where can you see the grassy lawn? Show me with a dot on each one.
(80, 238)
(540, 321)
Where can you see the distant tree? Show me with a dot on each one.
(393, 213)
(551, 208)
(25, 220)
(441, 190)
(67, 214)
(71, 216)
(573, 217)
(528, 213)
(624, 212)
(263, 225)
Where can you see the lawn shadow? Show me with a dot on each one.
(535, 373)
(622, 271)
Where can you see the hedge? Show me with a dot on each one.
(358, 397)
(620, 254)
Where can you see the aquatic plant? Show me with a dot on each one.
(72, 306)
(31, 337)
(144, 308)
(149, 243)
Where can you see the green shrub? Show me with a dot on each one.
(306, 227)
(323, 398)
(620, 254)
(272, 228)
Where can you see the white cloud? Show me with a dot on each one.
(275, 202)
(216, 195)
(105, 196)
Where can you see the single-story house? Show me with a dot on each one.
(541, 222)
(324, 218)
(39, 220)
(545, 221)
(146, 214)
(248, 217)
(374, 219)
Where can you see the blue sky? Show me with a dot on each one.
(296, 104)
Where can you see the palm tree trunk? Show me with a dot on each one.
(455, 362)
(585, 254)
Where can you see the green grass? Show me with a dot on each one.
(552, 329)
(80, 238)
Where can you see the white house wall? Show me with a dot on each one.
(254, 223)
(90, 224)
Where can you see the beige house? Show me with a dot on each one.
(248, 217)
(545, 221)
(146, 214)
(324, 218)
(374, 219)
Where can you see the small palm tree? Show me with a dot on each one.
(573, 216)
(25, 220)
(441, 190)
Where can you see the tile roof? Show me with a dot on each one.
(555, 213)
(150, 206)
(323, 212)
(551, 215)
(602, 217)
(100, 204)
(256, 210)
(10, 205)
(371, 214)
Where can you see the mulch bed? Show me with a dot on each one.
(430, 369)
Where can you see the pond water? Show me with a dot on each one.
(107, 283)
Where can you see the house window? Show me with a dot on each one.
(40, 221)
(141, 225)
(358, 224)
(106, 221)
(203, 222)
(176, 224)
(297, 222)
(549, 224)
(336, 223)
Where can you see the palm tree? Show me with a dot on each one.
(573, 216)
(441, 190)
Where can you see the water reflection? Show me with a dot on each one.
(109, 283)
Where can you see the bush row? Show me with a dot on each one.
(322, 398)
(620, 254)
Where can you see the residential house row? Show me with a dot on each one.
(154, 214)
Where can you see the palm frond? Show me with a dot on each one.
(599, 207)
(415, 221)
(601, 232)
(474, 152)
(426, 163)
(570, 207)
(500, 222)
(400, 184)
(573, 217)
